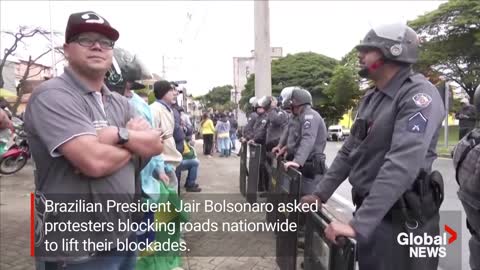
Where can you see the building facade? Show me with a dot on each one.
(243, 67)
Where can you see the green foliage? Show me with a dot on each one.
(350, 60)
(342, 92)
(309, 70)
(151, 97)
(229, 106)
(218, 98)
(247, 93)
(333, 85)
(451, 42)
(144, 91)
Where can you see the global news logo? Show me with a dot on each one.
(427, 246)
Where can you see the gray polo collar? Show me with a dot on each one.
(70, 76)
(396, 82)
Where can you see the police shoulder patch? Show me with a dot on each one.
(307, 124)
(308, 117)
(422, 100)
(417, 123)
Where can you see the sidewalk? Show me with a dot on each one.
(14, 220)
(220, 176)
(216, 175)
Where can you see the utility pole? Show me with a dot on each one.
(235, 84)
(263, 75)
(447, 105)
(52, 42)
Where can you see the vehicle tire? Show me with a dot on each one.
(11, 165)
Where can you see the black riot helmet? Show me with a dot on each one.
(265, 102)
(301, 97)
(125, 68)
(285, 96)
(397, 42)
(253, 101)
(295, 96)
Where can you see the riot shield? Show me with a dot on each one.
(288, 187)
(255, 151)
(320, 253)
(271, 166)
(243, 169)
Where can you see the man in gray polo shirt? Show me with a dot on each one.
(83, 139)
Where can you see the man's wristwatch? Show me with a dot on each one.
(122, 136)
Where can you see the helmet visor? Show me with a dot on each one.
(252, 101)
(286, 93)
(128, 62)
(395, 31)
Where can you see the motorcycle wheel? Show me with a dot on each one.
(11, 165)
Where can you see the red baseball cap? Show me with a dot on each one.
(89, 21)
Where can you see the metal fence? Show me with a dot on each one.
(285, 187)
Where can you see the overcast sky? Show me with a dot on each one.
(200, 38)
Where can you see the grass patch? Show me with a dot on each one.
(452, 140)
(445, 151)
(452, 136)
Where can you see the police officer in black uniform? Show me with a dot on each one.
(389, 154)
(277, 122)
(307, 138)
(248, 129)
(466, 160)
(467, 117)
(259, 137)
(281, 148)
(260, 126)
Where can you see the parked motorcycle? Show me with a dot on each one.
(17, 155)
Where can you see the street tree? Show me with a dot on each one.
(343, 93)
(20, 88)
(309, 70)
(217, 98)
(23, 32)
(450, 42)
(19, 38)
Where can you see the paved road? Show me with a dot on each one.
(14, 220)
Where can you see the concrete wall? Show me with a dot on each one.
(9, 77)
(243, 67)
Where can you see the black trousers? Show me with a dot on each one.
(473, 216)
(207, 144)
(264, 176)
